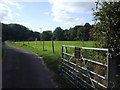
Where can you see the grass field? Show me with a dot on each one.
(53, 60)
(48, 56)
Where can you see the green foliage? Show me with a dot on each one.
(66, 35)
(6, 32)
(58, 34)
(77, 33)
(47, 35)
(53, 60)
(107, 29)
(16, 32)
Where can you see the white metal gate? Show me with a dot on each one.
(79, 67)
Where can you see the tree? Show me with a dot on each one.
(107, 33)
(36, 35)
(18, 32)
(73, 34)
(80, 33)
(107, 29)
(87, 31)
(7, 33)
(58, 34)
(47, 35)
(66, 35)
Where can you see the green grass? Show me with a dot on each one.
(53, 60)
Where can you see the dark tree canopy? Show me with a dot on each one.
(18, 32)
(58, 34)
(47, 35)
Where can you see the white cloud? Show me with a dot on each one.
(5, 12)
(29, 0)
(73, 6)
(59, 0)
(67, 20)
(18, 15)
(8, 2)
(61, 10)
(46, 13)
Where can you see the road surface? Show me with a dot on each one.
(24, 69)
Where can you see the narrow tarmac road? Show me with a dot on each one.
(24, 69)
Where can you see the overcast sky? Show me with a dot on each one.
(46, 14)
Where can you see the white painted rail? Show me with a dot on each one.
(72, 69)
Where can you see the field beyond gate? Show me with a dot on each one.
(86, 67)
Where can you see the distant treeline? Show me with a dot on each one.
(16, 32)
(77, 33)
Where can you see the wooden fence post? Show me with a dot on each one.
(43, 45)
(77, 52)
(62, 57)
(62, 52)
(66, 50)
(77, 57)
(53, 46)
(113, 62)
